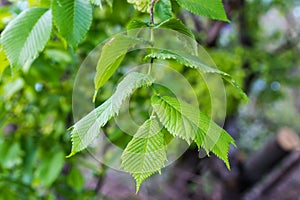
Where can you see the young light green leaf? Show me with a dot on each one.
(88, 128)
(194, 62)
(145, 154)
(184, 120)
(213, 9)
(27, 35)
(73, 19)
(163, 9)
(177, 25)
(141, 5)
(112, 56)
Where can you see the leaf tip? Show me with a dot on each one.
(228, 165)
(137, 187)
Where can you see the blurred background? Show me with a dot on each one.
(260, 48)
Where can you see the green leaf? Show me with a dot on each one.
(10, 154)
(194, 62)
(185, 121)
(75, 179)
(218, 141)
(177, 25)
(112, 55)
(175, 118)
(213, 9)
(88, 128)
(50, 167)
(4, 63)
(145, 154)
(27, 35)
(163, 9)
(133, 24)
(73, 19)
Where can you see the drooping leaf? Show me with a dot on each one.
(218, 141)
(112, 55)
(141, 5)
(175, 118)
(27, 35)
(177, 25)
(73, 19)
(163, 9)
(194, 62)
(185, 121)
(213, 9)
(88, 128)
(145, 154)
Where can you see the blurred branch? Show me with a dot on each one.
(274, 178)
(269, 156)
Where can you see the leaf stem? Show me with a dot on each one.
(152, 59)
(151, 34)
(152, 11)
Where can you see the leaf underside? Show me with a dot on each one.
(145, 154)
(187, 122)
(88, 128)
(195, 63)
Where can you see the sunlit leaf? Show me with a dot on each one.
(213, 9)
(73, 19)
(88, 128)
(27, 35)
(187, 122)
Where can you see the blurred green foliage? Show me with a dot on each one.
(35, 105)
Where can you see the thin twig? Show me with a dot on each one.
(151, 12)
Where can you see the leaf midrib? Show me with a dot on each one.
(180, 113)
(30, 32)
